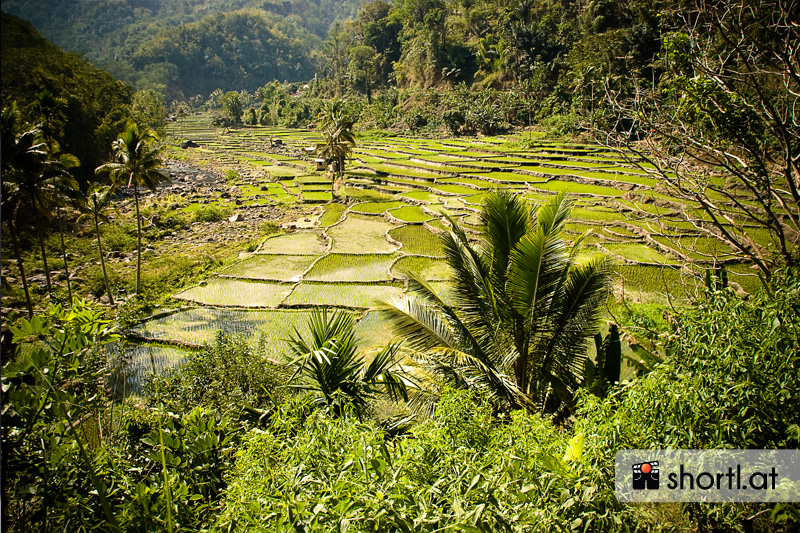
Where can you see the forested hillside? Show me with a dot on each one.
(120, 36)
(548, 49)
(81, 106)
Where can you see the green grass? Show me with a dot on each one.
(298, 243)
(373, 331)
(577, 188)
(367, 195)
(283, 171)
(428, 268)
(438, 224)
(375, 208)
(233, 292)
(351, 267)
(361, 234)
(341, 294)
(410, 213)
(654, 281)
(700, 248)
(745, 275)
(513, 177)
(316, 196)
(453, 189)
(331, 214)
(576, 227)
(639, 252)
(417, 240)
(422, 196)
(595, 214)
(277, 267)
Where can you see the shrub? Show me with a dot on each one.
(226, 375)
(211, 213)
(462, 470)
(730, 381)
(119, 236)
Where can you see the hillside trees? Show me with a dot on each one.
(721, 126)
(238, 50)
(79, 105)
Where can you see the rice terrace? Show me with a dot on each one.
(398, 190)
(429, 266)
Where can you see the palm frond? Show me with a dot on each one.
(505, 218)
(551, 217)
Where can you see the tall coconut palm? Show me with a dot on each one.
(60, 189)
(136, 160)
(98, 202)
(329, 367)
(520, 312)
(339, 140)
(23, 157)
(182, 112)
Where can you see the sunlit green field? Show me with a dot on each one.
(395, 201)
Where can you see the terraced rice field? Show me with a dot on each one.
(398, 192)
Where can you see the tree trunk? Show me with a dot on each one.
(20, 266)
(102, 260)
(40, 238)
(138, 236)
(64, 252)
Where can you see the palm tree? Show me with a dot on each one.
(182, 112)
(136, 159)
(23, 156)
(328, 366)
(60, 189)
(98, 202)
(520, 312)
(339, 139)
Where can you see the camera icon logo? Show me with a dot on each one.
(645, 475)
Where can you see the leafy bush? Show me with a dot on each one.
(211, 213)
(559, 125)
(226, 375)
(730, 382)
(119, 236)
(52, 394)
(462, 470)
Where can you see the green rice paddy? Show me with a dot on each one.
(236, 293)
(271, 267)
(351, 267)
(362, 244)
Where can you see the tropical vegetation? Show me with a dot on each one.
(520, 311)
(240, 372)
(338, 139)
(136, 163)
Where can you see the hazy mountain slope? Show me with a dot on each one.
(119, 34)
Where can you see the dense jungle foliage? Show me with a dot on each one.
(154, 43)
(221, 445)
